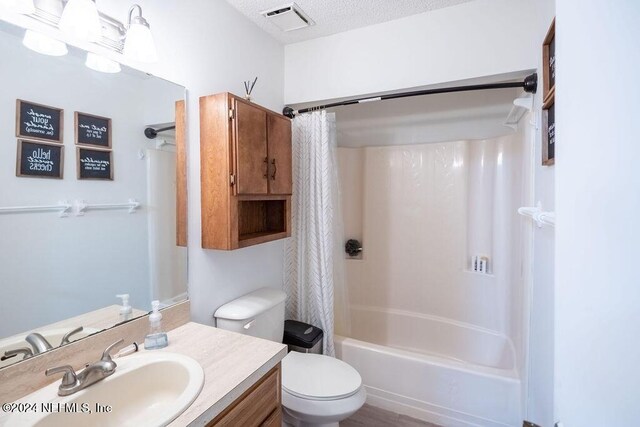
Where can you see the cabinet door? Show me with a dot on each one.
(258, 406)
(279, 136)
(251, 149)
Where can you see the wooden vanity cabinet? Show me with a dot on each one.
(258, 406)
(245, 173)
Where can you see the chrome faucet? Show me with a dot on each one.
(39, 345)
(91, 374)
(38, 342)
(26, 352)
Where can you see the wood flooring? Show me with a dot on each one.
(370, 416)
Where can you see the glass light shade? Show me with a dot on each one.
(46, 45)
(102, 64)
(25, 7)
(139, 44)
(80, 20)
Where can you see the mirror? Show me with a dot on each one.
(87, 202)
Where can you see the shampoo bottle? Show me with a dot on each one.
(125, 310)
(156, 338)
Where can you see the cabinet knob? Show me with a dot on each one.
(266, 169)
(275, 169)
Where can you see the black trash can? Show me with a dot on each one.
(302, 337)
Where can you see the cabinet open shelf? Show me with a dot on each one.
(261, 221)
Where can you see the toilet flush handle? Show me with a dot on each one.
(249, 324)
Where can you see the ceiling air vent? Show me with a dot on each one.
(288, 17)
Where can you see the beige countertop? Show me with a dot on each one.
(232, 363)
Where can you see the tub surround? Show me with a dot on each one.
(232, 363)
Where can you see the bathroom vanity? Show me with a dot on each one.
(242, 380)
(242, 377)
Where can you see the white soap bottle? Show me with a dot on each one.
(125, 310)
(156, 338)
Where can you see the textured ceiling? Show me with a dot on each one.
(336, 16)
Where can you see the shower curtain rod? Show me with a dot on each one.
(530, 85)
(151, 133)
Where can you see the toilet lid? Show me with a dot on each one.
(318, 377)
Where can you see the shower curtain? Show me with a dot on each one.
(313, 270)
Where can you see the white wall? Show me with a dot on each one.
(55, 268)
(597, 204)
(474, 39)
(209, 47)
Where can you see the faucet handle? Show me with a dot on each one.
(69, 378)
(13, 353)
(106, 357)
(65, 338)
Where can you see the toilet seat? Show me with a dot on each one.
(318, 377)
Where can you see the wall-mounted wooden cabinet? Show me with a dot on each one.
(245, 173)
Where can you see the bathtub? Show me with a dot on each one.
(435, 369)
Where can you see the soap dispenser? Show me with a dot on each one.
(125, 310)
(156, 338)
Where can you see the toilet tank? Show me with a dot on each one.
(259, 314)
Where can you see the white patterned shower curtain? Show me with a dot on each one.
(312, 267)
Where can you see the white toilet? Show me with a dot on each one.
(317, 390)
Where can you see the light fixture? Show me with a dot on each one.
(100, 63)
(80, 20)
(25, 7)
(139, 44)
(46, 45)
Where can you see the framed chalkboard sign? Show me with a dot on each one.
(94, 164)
(549, 131)
(39, 122)
(549, 62)
(39, 160)
(92, 130)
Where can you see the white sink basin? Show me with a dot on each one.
(148, 389)
(54, 336)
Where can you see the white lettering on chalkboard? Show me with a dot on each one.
(39, 123)
(40, 160)
(93, 131)
(91, 164)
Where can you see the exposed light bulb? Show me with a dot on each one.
(100, 63)
(45, 45)
(139, 44)
(25, 7)
(80, 20)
